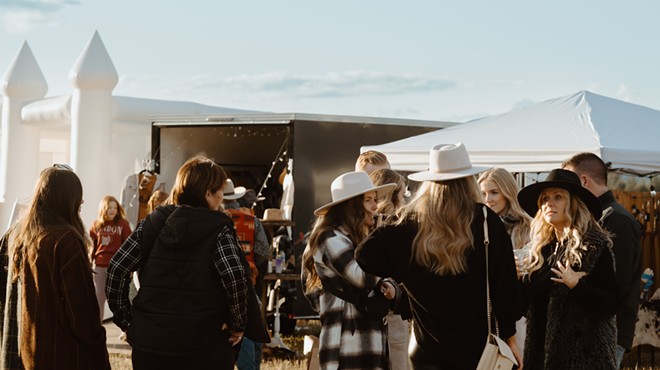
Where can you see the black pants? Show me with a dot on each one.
(220, 356)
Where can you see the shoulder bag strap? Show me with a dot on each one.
(489, 306)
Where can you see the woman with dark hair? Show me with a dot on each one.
(435, 249)
(349, 339)
(108, 232)
(194, 281)
(571, 287)
(52, 321)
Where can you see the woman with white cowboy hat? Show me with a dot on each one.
(571, 289)
(436, 250)
(349, 339)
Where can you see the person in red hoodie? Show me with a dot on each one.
(108, 232)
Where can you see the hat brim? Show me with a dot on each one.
(436, 176)
(528, 197)
(239, 192)
(381, 191)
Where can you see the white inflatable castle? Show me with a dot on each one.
(100, 135)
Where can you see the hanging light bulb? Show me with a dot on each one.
(652, 188)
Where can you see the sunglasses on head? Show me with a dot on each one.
(63, 166)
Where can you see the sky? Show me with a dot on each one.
(432, 60)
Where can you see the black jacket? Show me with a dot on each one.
(181, 305)
(628, 259)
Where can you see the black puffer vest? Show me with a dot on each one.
(181, 305)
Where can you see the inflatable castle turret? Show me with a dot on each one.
(100, 135)
(22, 83)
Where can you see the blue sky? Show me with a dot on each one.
(436, 60)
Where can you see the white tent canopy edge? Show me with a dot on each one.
(540, 137)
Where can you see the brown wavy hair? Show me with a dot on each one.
(55, 206)
(348, 215)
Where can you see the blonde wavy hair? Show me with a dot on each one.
(392, 201)
(443, 211)
(543, 233)
(348, 215)
(506, 184)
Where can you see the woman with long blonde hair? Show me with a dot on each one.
(499, 191)
(391, 203)
(333, 281)
(436, 250)
(571, 288)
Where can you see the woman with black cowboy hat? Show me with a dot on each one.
(349, 339)
(571, 289)
(436, 249)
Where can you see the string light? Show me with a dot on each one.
(237, 132)
(280, 157)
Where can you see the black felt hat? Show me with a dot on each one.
(558, 178)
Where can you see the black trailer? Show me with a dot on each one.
(255, 149)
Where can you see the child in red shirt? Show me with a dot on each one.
(108, 232)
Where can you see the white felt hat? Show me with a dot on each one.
(448, 162)
(350, 185)
(230, 192)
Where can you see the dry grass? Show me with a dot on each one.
(272, 360)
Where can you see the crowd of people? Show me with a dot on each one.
(401, 279)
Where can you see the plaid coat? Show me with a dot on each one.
(348, 339)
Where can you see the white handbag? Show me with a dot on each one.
(496, 355)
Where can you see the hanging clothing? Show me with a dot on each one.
(135, 195)
(146, 182)
(129, 198)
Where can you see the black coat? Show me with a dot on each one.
(628, 256)
(573, 328)
(449, 312)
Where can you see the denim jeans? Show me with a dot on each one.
(249, 357)
(619, 355)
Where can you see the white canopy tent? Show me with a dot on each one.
(539, 138)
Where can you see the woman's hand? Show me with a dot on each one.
(235, 337)
(511, 341)
(566, 275)
(388, 290)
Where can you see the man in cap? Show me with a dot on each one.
(253, 241)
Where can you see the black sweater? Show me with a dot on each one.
(628, 259)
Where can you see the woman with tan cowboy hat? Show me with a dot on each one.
(349, 338)
(436, 250)
(571, 288)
